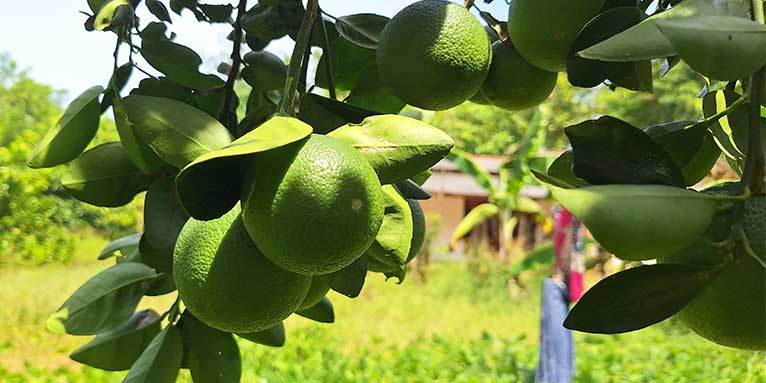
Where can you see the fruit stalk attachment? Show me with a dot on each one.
(287, 104)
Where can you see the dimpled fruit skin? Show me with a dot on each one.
(317, 291)
(544, 30)
(433, 55)
(317, 211)
(513, 83)
(225, 281)
(732, 310)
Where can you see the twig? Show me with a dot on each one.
(327, 54)
(755, 166)
(236, 62)
(287, 105)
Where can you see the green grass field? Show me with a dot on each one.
(454, 328)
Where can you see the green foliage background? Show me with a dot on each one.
(39, 222)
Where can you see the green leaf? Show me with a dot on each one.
(179, 63)
(397, 147)
(349, 63)
(104, 302)
(107, 13)
(265, 22)
(350, 279)
(137, 150)
(217, 13)
(158, 9)
(637, 222)
(692, 147)
(124, 244)
(273, 336)
(421, 177)
(645, 41)
(391, 247)
(722, 47)
(475, 217)
(409, 189)
(177, 132)
(119, 78)
(561, 168)
(539, 256)
(370, 93)
(96, 5)
(466, 164)
(723, 129)
(637, 298)
(104, 176)
(264, 71)
(325, 115)
(164, 87)
(213, 355)
(161, 361)
(72, 134)
(118, 349)
(362, 29)
(611, 151)
(211, 185)
(635, 76)
(321, 312)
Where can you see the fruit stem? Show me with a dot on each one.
(287, 104)
(468, 4)
(236, 58)
(755, 164)
(748, 249)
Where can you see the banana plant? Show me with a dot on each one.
(504, 192)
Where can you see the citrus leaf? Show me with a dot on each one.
(349, 62)
(637, 298)
(611, 151)
(325, 115)
(273, 336)
(409, 189)
(116, 84)
(211, 185)
(391, 246)
(370, 93)
(561, 168)
(635, 76)
(320, 312)
(213, 355)
(72, 134)
(466, 164)
(118, 349)
(161, 361)
(104, 302)
(350, 279)
(397, 147)
(123, 244)
(475, 217)
(637, 222)
(645, 41)
(217, 13)
(177, 132)
(362, 29)
(138, 151)
(691, 146)
(158, 9)
(264, 71)
(95, 5)
(106, 14)
(104, 176)
(421, 178)
(179, 63)
(732, 47)
(722, 130)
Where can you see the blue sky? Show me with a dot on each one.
(47, 38)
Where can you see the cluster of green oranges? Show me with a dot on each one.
(308, 209)
(435, 55)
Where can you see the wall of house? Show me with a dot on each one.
(451, 210)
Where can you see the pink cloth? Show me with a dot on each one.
(569, 259)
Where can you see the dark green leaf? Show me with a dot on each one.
(126, 243)
(104, 176)
(274, 336)
(722, 129)
(137, 150)
(118, 349)
(637, 298)
(397, 147)
(217, 13)
(264, 71)
(95, 5)
(362, 29)
(179, 63)
(350, 279)
(163, 87)
(611, 151)
(177, 132)
(72, 134)
(161, 361)
(104, 302)
(693, 149)
(409, 189)
(633, 75)
(320, 312)
(370, 93)
(211, 185)
(158, 9)
(116, 83)
(561, 169)
(392, 245)
(325, 115)
(265, 22)
(108, 13)
(349, 63)
(213, 354)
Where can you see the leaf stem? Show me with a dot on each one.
(732, 107)
(236, 58)
(755, 166)
(287, 105)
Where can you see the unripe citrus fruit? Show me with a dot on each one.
(543, 30)
(314, 207)
(433, 54)
(225, 281)
(317, 291)
(513, 83)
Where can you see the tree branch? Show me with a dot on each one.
(236, 58)
(287, 105)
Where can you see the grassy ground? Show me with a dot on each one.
(455, 328)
